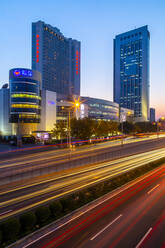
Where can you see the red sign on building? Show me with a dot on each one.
(77, 62)
(37, 48)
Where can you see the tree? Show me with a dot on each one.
(60, 130)
(28, 221)
(10, 229)
(113, 127)
(102, 128)
(128, 127)
(143, 127)
(82, 128)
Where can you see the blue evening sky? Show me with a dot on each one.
(95, 23)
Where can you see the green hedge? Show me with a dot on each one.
(11, 229)
(0, 237)
(15, 228)
(28, 221)
(43, 213)
(56, 209)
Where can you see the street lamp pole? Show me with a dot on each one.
(69, 130)
(157, 129)
(121, 121)
(75, 106)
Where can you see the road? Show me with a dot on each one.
(130, 217)
(31, 165)
(39, 156)
(18, 199)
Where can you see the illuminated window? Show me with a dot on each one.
(25, 106)
(20, 95)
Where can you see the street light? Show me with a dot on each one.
(158, 125)
(76, 106)
(121, 121)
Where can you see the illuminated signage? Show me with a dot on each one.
(22, 73)
(77, 62)
(51, 102)
(37, 48)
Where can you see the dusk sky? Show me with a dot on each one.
(95, 23)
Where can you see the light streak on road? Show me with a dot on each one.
(74, 182)
(61, 154)
(153, 188)
(110, 224)
(109, 207)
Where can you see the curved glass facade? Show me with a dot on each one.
(100, 109)
(25, 100)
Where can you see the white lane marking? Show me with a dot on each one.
(38, 239)
(5, 212)
(97, 204)
(153, 188)
(141, 241)
(34, 241)
(106, 227)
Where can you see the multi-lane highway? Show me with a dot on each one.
(130, 217)
(41, 163)
(27, 155)
(17, 199)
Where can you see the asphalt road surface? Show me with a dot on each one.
(32, 165)
(19, 199)
(133, 217)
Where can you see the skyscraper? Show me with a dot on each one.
(57, 58)
(131, 71)
(152, 114)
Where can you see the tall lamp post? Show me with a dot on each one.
(76, 106)
(121, 121)
(158, 125)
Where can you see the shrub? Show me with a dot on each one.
(0, 237)
(67, 204)
(10, 229)
(56, 209)
(28, 221)
(43, 213)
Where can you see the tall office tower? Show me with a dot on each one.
(131, 71)
(57, 58)
(152, 115)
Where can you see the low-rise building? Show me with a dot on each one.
(25, 100)
(99, 109)
(5, 126)
(48, 110)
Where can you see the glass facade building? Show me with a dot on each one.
(152, 114)
(57, 58)
(25, 100)
(131, 71)
(100, 109)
